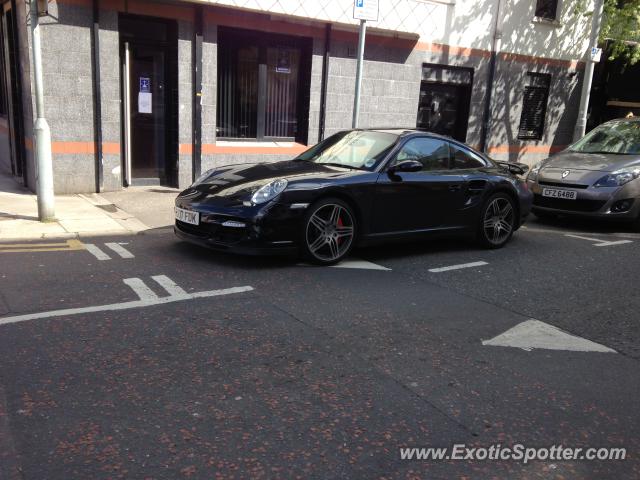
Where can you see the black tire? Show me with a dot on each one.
(329, 231)
(497, 221)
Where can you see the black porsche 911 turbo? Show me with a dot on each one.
(356, 187)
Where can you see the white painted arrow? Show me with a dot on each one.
(536, 334)
(599, 241)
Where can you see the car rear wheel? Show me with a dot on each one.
(498, 221)
(329, 231)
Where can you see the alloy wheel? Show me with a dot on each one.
(498, 220)
(329, 233)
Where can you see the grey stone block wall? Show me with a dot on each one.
(185, 96)
(209, 90)
(68, 92)
(111, 105)
(215, 161)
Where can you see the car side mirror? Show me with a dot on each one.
(405, 166)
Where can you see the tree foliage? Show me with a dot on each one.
(621, 29)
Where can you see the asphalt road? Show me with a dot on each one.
(309, 372)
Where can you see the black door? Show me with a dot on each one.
(13, 91)
(444, 109)
(150, 113)
(418, 201)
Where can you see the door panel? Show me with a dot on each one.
(414, 201)
(148, 112)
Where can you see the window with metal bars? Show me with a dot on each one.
(262, 80)
(534, 106)
(547, 9)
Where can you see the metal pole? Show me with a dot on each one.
(44, 168)
(495, 49)
(356, 100)
(581, 123)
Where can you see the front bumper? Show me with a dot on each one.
(269, 230)
(591, 202)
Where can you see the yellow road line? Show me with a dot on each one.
(41, 247)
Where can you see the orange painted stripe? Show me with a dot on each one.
(68, 148)
(553, 62)
(212, 149)
(140, 7)
(110, 148)
(452, 50)
(261, 22)
(526, 148)
(185, 149)
(163, 10)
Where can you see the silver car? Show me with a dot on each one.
(595, 177)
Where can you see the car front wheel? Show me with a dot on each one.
(498, 221)
(329, 231)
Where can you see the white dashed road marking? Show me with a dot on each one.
(536, 334)
(598, 241)
(169, 285)
(457, 267)
(147, 299)
(120, 250)
(141, 289)
(96, 252)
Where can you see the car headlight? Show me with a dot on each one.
(269, 191)
(202, 177)
(618, 178)
(533, 173)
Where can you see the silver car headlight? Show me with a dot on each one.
(618, 178)
(268, 192)
(533, 173)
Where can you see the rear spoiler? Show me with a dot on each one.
(513, 167)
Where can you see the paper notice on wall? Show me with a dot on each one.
(144, 102)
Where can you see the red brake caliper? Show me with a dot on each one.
(339, 224)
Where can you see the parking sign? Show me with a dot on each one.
(366, 10)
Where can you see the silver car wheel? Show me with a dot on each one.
(498, 220)
(329, 232)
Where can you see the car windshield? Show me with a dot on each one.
(355, 149)
(622, 138)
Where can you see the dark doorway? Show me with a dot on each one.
(445, 97)
(12, 90)
(149, 88)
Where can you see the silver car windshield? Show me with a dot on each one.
(622, 138)
(355, 149)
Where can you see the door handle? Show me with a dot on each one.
(455, 188)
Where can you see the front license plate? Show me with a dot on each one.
(557, 193)
(187, 216)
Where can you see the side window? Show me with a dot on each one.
(463, 158)
(431, 152)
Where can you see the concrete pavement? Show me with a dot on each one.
(76, 215)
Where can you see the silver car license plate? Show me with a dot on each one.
(559, 193)
(187, 216)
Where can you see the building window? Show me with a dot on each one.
(534, 106)
(445, 99)
(547, 9)
(263, 83)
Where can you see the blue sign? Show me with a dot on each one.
(145, 84)
(366, 10)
